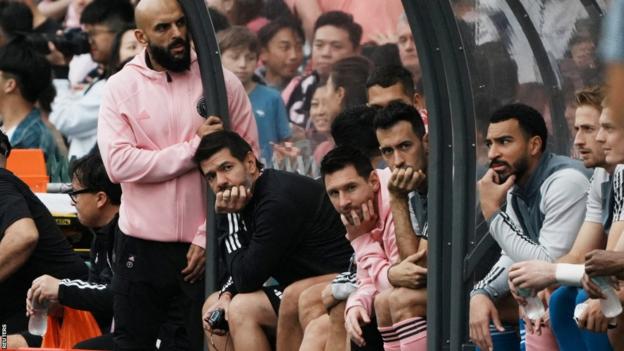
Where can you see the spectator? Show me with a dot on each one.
(260, 244)
(390, 83)
(537, 275)
(40, 22)
(378, 19)
(239, 52)
(336, 36)
(241, 12)
(70, 10)
(31, 245)
(97, 203)
(345, 88)
(219, 21)
(547, 197)
(281, 51)
(124, 48)
(354, 127)
(25, 75)
(15, 19)
(407, 49)
(75, 111)
(160, 87)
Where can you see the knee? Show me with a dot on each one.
(289, 305)
(16, 341)
(408, 302)
(308, 299)
(241, 310)
(317, 327)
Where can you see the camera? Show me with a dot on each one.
(71, 42)
(217, 321)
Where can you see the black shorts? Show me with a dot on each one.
(274, 293)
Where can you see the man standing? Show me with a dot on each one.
(148, 132)
(545, 198)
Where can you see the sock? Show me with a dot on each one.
(390, 339)
(412, 334)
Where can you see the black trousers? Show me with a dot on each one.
(152, 299)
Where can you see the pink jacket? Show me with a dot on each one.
(147, 137)
(375, 252)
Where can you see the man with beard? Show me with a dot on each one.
(569, 269)
(148, 131)
(278, 225)
(534, 202)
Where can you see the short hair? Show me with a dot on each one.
(219, 21)
(354, 127)
(398, 111)
(30, 69)
(246, 10)
(389, 75)
(591, 96)
(89, 171)
(223, 139)
(15, 18)
(343, 21)
(268, 31)
(5, 145)
(530, 120)
(113, 13)
(351, 73)
(237, 37)
(343, 156)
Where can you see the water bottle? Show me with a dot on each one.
(38, 322)
(611, 306)
(534, 308)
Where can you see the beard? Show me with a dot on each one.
(167, 60)
(518, 168)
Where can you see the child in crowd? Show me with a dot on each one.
(239, 54)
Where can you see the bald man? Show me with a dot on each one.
(148, 131)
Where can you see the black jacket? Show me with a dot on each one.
(95, 294)
(289, 230)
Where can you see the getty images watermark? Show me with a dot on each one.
(3, 337)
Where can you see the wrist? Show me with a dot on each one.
(569, 274)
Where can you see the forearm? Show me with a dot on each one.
(514, 242)
(85, 296)
(54, 9)
(495, 282)
(18, 243)
(407, 241)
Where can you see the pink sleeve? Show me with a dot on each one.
(200, 236)
(290, 87)
(371, 257)
(364, 295)
(124, 161)
(243, 121)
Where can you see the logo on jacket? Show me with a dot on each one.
(130, 262)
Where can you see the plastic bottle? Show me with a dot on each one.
(534, 308)
(611, 306)
(38, 322)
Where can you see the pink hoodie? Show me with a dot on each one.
(375, 252)
(147, 137)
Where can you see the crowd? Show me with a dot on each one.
(110, 91)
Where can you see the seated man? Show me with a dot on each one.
(537, 275)
(97, 203)
(404, 146)
(281, 225)
(545, 196)
(31, 245)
